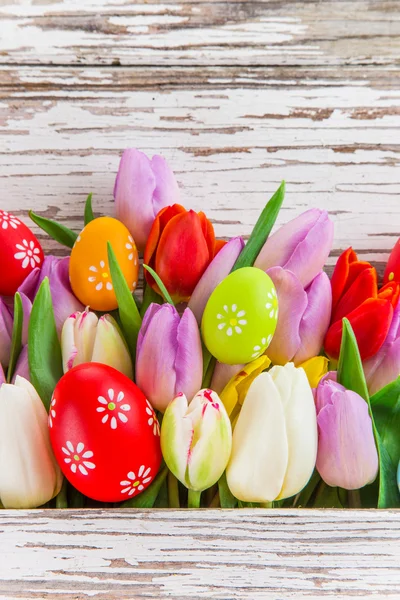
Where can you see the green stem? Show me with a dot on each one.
(173, 491)
(266, 505)
(215, 502)
(194, 499)
(61, 499)
(354, 499)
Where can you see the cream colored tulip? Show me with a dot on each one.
(29, 473)
(274, 446)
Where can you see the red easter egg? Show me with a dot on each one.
(20, 253)
(105, 434)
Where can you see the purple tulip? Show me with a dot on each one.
(217, 270)
(6, 326)
(22, 366)
(303, 318)
(142, 188)
(347, 455)
(2, 375)
(222, 375)
(384, 367)
(64, 301)
(168, 357)
(302, 246)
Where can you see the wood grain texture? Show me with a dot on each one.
(237, 96)
(247, 554)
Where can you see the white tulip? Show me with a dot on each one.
(85, 338)
(29, 473)
(274, 446)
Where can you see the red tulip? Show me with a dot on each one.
(180, 247)
(392, 271)
(355, 296)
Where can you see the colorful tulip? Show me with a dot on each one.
(347, 454)
(217, 270)
(6, 326)
(196, 439)
(85, 338)
(392, 271)
(304, 316)
(64, 301)
(302, 246)
(384, 367)
(169, 356)
(355, 296)
(274, 444)
(142, 188)
(2, 375)
(29, 474)
(180, 247)
(22, 366)
(234, 393)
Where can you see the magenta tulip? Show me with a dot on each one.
(347, 455)
(384, 367)
(217, 270)
(303, 318)
(302, 246)
(169, 357)
(64, 301)
(6, 326)
(142, 188)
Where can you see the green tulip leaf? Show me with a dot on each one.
(148, 497)
(385, 406)
(303, 498)
(127, 308)
(58, 232)
(261, 230)
(160, 284)
(150, 296)
(16, 340)
(44, 352)
(89, 216)
(351, 375)
(327, 497)
(226, 498)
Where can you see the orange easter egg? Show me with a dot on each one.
(89, 271)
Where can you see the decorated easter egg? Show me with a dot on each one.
(104, 432)
(89, 271)
(240, 317)
(20, 253)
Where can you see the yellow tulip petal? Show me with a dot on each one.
(315, 369)
(236, 389)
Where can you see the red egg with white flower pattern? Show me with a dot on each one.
(104, 432)
(20, 253)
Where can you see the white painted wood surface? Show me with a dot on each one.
(237, 96)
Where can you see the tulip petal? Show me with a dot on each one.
(315, 368)
(222, 375)
(85, 328)
(392, 271)
(234, 393)
(22, 366)
(217, 270)
(189, 358)
(347, 269)
(370, 323)
(347, 455)
(176, 437)
(365, 286)
(316, 318)
(259, 458)
(6, 326)
(166, 192)
(387, 371)
(26, 310)
(2, 375)
(292, 304)
(110, 347)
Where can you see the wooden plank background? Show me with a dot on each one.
(237, 96)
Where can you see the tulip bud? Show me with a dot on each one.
(29, 474)
(384, 367)
(64, 301)
(302, 246)
(304, 317)
(6, 326)
(196, 439)
(347, 454)
(274, 444)
(142, 188)
(85, 338)
(168, 357)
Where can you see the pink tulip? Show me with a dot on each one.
(169, 357)
(347, 455)
(142, 188)
(217, 270)
(64, 301)
(22, 366)
(303, 318)
(6, 326)
(2, 375)
(384, 367)
(222, 375)
(302, 246)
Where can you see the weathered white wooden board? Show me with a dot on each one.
(237, 96)
(246, 554)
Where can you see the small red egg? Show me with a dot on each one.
(20, 253)
(105, 434)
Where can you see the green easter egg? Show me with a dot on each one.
(240, 317)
